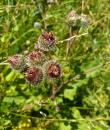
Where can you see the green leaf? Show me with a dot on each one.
(10, 76)
(69, 93)
(64, 127)
(16, 28)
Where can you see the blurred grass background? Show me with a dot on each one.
(83, 104)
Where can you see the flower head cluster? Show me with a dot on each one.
(35, 65)
(77, 21)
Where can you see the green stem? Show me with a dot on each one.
(69, 42)
(4, 63)
(64, 120)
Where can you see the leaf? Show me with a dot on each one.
(10, 76)
(64, 127)
(16, 28)
(69, 93)
(76, 113)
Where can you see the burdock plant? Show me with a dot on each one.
(72, 19)
(52, 69)
(75, 22)
(46, 41)
(17, 62)
(33, 75)
(37, 64)
(36, 57)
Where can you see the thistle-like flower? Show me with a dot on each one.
(52, 69)
(51, 1)
(46, 41)
(34, 75)
(72, 18)
(35, 58)
(84, 21)
(17, 62)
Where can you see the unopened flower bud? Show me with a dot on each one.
(37, 25)
(51, 1)
(84, 21)
(72, 18)
(28, 42)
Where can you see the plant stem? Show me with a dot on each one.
(62, 119)
(4, 63)
(69, 42)
(78, 77)
(75, 36)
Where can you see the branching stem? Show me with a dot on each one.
(77, 77)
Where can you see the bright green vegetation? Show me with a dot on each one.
(84, 102)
